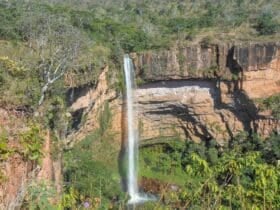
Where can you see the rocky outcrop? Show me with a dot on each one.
(196, 92)
(177, 63)
(254, 67)
(206, 91)
(14, 169)
(47, 171)
(90, 105)
(266, 127)
(189, 109)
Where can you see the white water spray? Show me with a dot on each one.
(132, 137)
(132, 185)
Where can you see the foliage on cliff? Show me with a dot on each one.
(92, 169)
(50, 46)
(271, 103)
(73, 40)
(243, 175)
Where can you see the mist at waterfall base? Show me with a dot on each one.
(132, 138)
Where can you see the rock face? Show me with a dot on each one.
(196, 92)
(207, 91)
(91, 103)
(265, 127)
(16, 172)
(252, 66)
(189, 109)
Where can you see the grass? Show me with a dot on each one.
(178, 179)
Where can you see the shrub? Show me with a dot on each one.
(5, 151)
(105, 118)
(266, 25)
(32, 142)
(271, 103)
(89, 168)
(9, 17)
(181, 24)
(40, 195)
(241, 175)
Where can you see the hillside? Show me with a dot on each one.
(207, 88)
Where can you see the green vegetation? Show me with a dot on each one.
(105, 118)
(243, 175)
(17, 83)
(40, 195)
(271, 103)
(266, 25)
(5, 150)
(32, 143)
(91, 167)
(163, 162)
(49, 47)
(73, 40)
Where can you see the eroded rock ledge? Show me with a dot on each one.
(196, 92)
(254, 67)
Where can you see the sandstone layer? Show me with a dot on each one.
(189, 109)
(255, 67)
(196, 92)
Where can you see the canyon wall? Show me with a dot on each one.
(196, 92)
(254, 66)
(200, 92)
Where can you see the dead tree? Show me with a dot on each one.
(55, 66)
(56, 42)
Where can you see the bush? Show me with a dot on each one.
(9, 26)
(242, 175)
(5, 151)
(181, 24)
(105, 118)
(91, 171)
(19, 85)
(271, 103)
(39, 195)
(32, 142)
(266, 25)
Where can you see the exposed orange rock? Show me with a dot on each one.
(184, 109)
(46, 173)
(15, 169)
(264, 81)
(265, 127)
(203, 62)
(202, 92)
(92, 103)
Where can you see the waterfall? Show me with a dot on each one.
(132, 140)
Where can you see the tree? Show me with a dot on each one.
(57, 43)
(266, 25)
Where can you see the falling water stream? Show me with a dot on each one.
(132, 136)
(132, 185)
